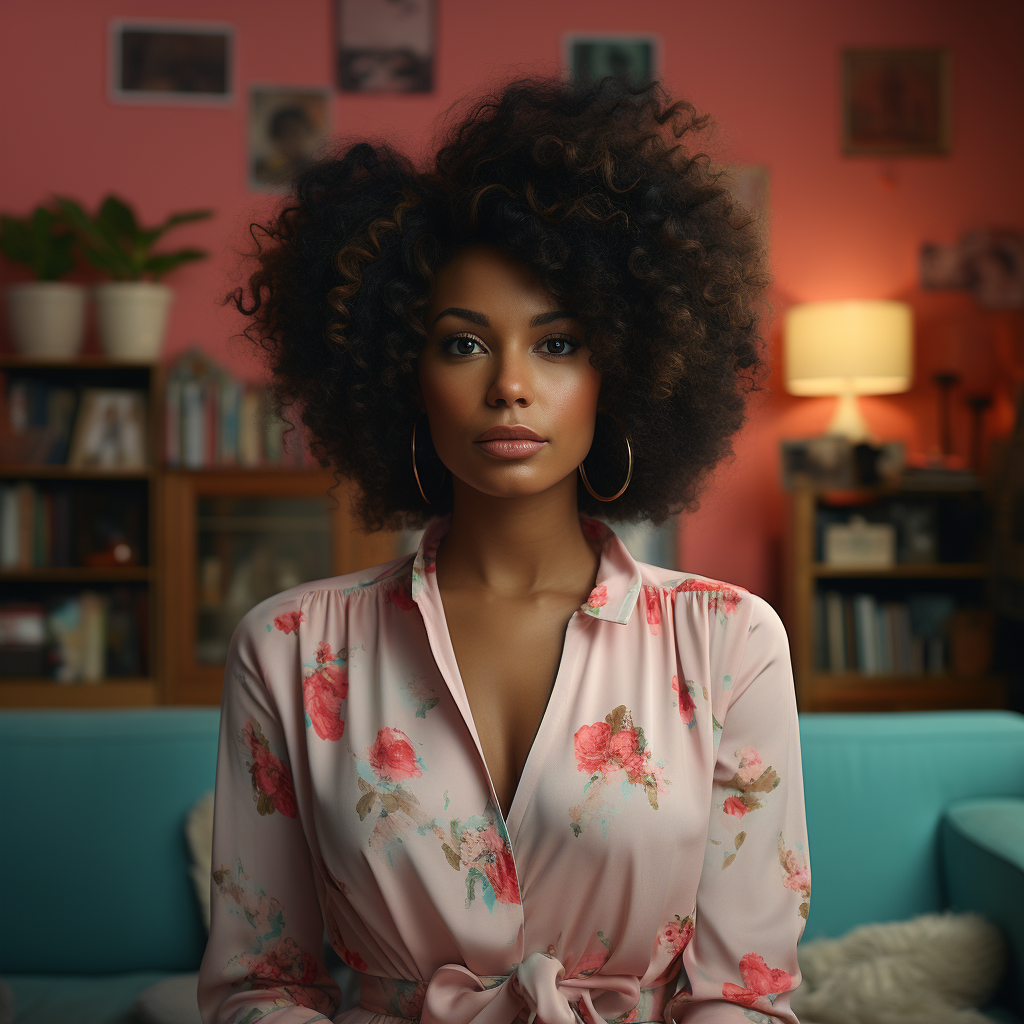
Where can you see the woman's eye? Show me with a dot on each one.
(464, 342)
(561, 345)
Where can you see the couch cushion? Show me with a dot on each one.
(876, 787)
(983, 854)
(84, 999)
(96, 804)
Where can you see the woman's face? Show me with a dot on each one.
(501, 352)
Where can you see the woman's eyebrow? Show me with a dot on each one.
(550, 318)
(464, 314)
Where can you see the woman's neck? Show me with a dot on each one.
(516, 547)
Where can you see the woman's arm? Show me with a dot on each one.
(754, 890)
(263, 957)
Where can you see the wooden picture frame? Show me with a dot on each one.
(110, 430)
(171, 62)
(288, 126)
(385, 47)
(896, 102)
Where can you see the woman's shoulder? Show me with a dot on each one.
(697, 594)
(286, 611)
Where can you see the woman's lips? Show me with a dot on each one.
(511, 447)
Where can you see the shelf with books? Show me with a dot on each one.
(78, 516)
(911, 634)
(910, 571)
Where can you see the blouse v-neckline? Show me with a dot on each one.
(613, 597)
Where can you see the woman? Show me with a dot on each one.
(517, 776)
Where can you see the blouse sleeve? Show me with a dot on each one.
(263, 959)
(754, 890)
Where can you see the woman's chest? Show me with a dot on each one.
(619, 770)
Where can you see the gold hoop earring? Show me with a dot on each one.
(414, 471)
(629, 474)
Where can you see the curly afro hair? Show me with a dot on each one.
(590, 187)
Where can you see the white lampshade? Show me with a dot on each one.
(849, 349)
(861, 348)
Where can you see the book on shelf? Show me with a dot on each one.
(212, 419)
(859, 633)
(79, 638)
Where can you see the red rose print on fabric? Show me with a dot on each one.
(687, 708)
(750, 778)
(350, 957)
(721, 597)
(271, 778)
(598, 596)
(676, 934)
(385, 765)
(289, 622)
(274, 960)
(324, 688)
(652, 603)
(796, 875)
(399, 593)
(392, 757)
(604, 750)
(759, 981)
(482, 845)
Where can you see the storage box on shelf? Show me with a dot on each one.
(913, 634)
(78, 514)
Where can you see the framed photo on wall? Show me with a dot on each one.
(385, 45)
(171, 61)
(591, 56)
(896, 102)
(287, 125)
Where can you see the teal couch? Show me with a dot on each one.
(907, 813)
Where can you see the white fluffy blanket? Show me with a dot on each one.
(933, 969)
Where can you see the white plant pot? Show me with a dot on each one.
(46, 318)
(132, 318)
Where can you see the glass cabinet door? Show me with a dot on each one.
(249, 548)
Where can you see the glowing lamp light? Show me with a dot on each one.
(849, 349)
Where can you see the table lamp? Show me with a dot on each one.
(849, 349)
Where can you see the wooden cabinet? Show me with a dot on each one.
(232, 538)
(808, 579)
(78, 530)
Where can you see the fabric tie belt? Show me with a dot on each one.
(536, 992)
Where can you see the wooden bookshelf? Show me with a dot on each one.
(43, 583)
(189, 529)
(820, 690)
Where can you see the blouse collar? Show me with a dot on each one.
(616, 587)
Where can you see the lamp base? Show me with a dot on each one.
(849, 422)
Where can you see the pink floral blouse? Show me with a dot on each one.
(654, 863)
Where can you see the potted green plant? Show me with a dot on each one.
(131, 308)
(46, 316)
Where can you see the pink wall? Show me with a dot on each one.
(841, 227)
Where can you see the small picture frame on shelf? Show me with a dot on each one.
(110, 430)
(177, 62)
(818, 462)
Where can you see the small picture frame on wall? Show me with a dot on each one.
(896, 102)
(175, 62)
(287, 126)
(592, 56)
(385, 45)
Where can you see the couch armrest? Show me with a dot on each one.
(982, 849)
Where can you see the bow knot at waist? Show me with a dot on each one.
(536, 991)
